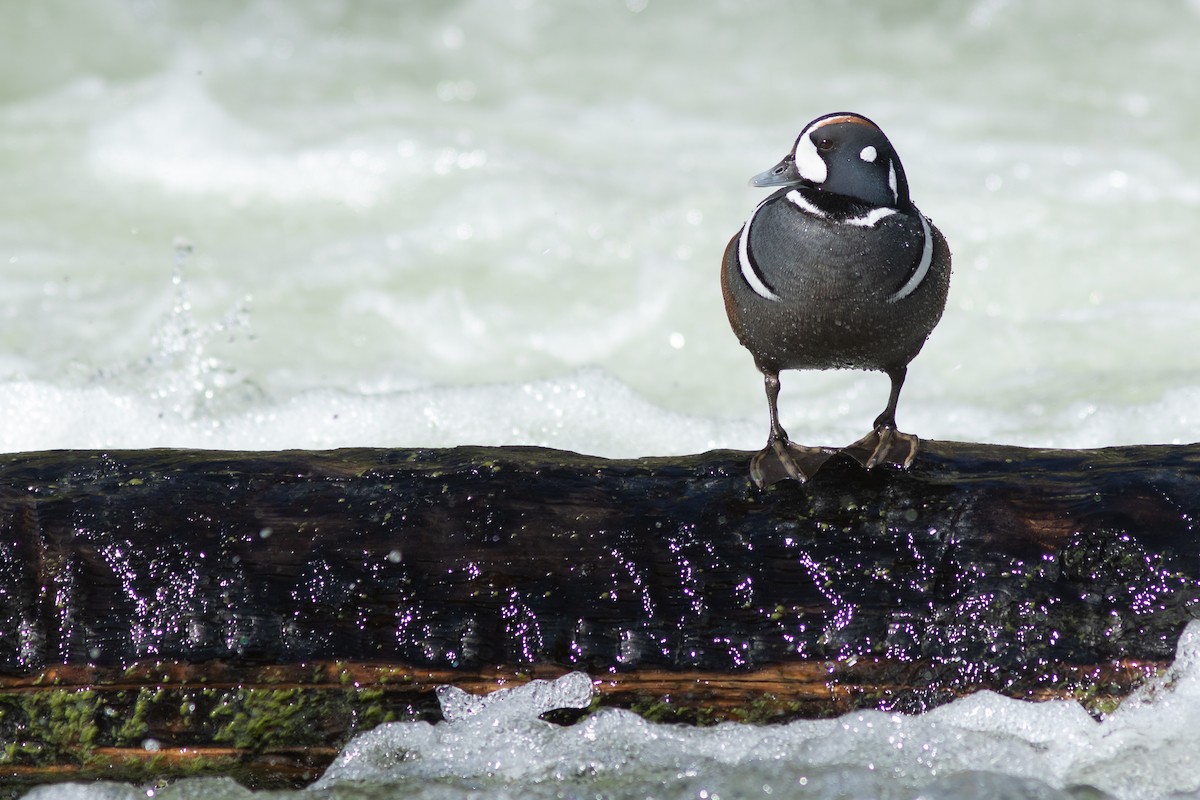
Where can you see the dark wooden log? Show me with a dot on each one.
(248, 612)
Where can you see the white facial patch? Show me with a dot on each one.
(869, 154)
(749, 274)
(809, 163)
(922, 267)
(892, 181)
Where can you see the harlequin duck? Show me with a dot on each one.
(835, 270)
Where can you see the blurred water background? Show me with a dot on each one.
(259, 225)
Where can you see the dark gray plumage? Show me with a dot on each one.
(837, 269)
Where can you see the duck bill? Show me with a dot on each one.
(782, 174)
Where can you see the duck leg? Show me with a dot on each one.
(781, 460)
(885, 444)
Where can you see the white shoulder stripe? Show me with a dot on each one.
(922, 268)
(748, 271)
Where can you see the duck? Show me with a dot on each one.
(836, 269)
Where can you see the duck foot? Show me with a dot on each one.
(884, 445)
(781, 460)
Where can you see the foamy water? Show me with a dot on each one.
(272, 225)
(982, 747)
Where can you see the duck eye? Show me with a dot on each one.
(824, 144)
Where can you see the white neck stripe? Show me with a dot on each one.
(922, 268)
(749, 274)
(804, 204)
(869, 219)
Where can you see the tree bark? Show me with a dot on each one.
(259, 608)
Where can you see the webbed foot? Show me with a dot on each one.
(884, 445)
(781, 460)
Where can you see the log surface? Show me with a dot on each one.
(680, 587)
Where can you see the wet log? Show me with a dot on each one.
(246, 613)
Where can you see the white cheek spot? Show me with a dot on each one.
(869, 154)
(809, 163)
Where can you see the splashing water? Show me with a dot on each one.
(180, 374)
(498, 736)
(978, 748)
(981, 747)
(573, 690)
